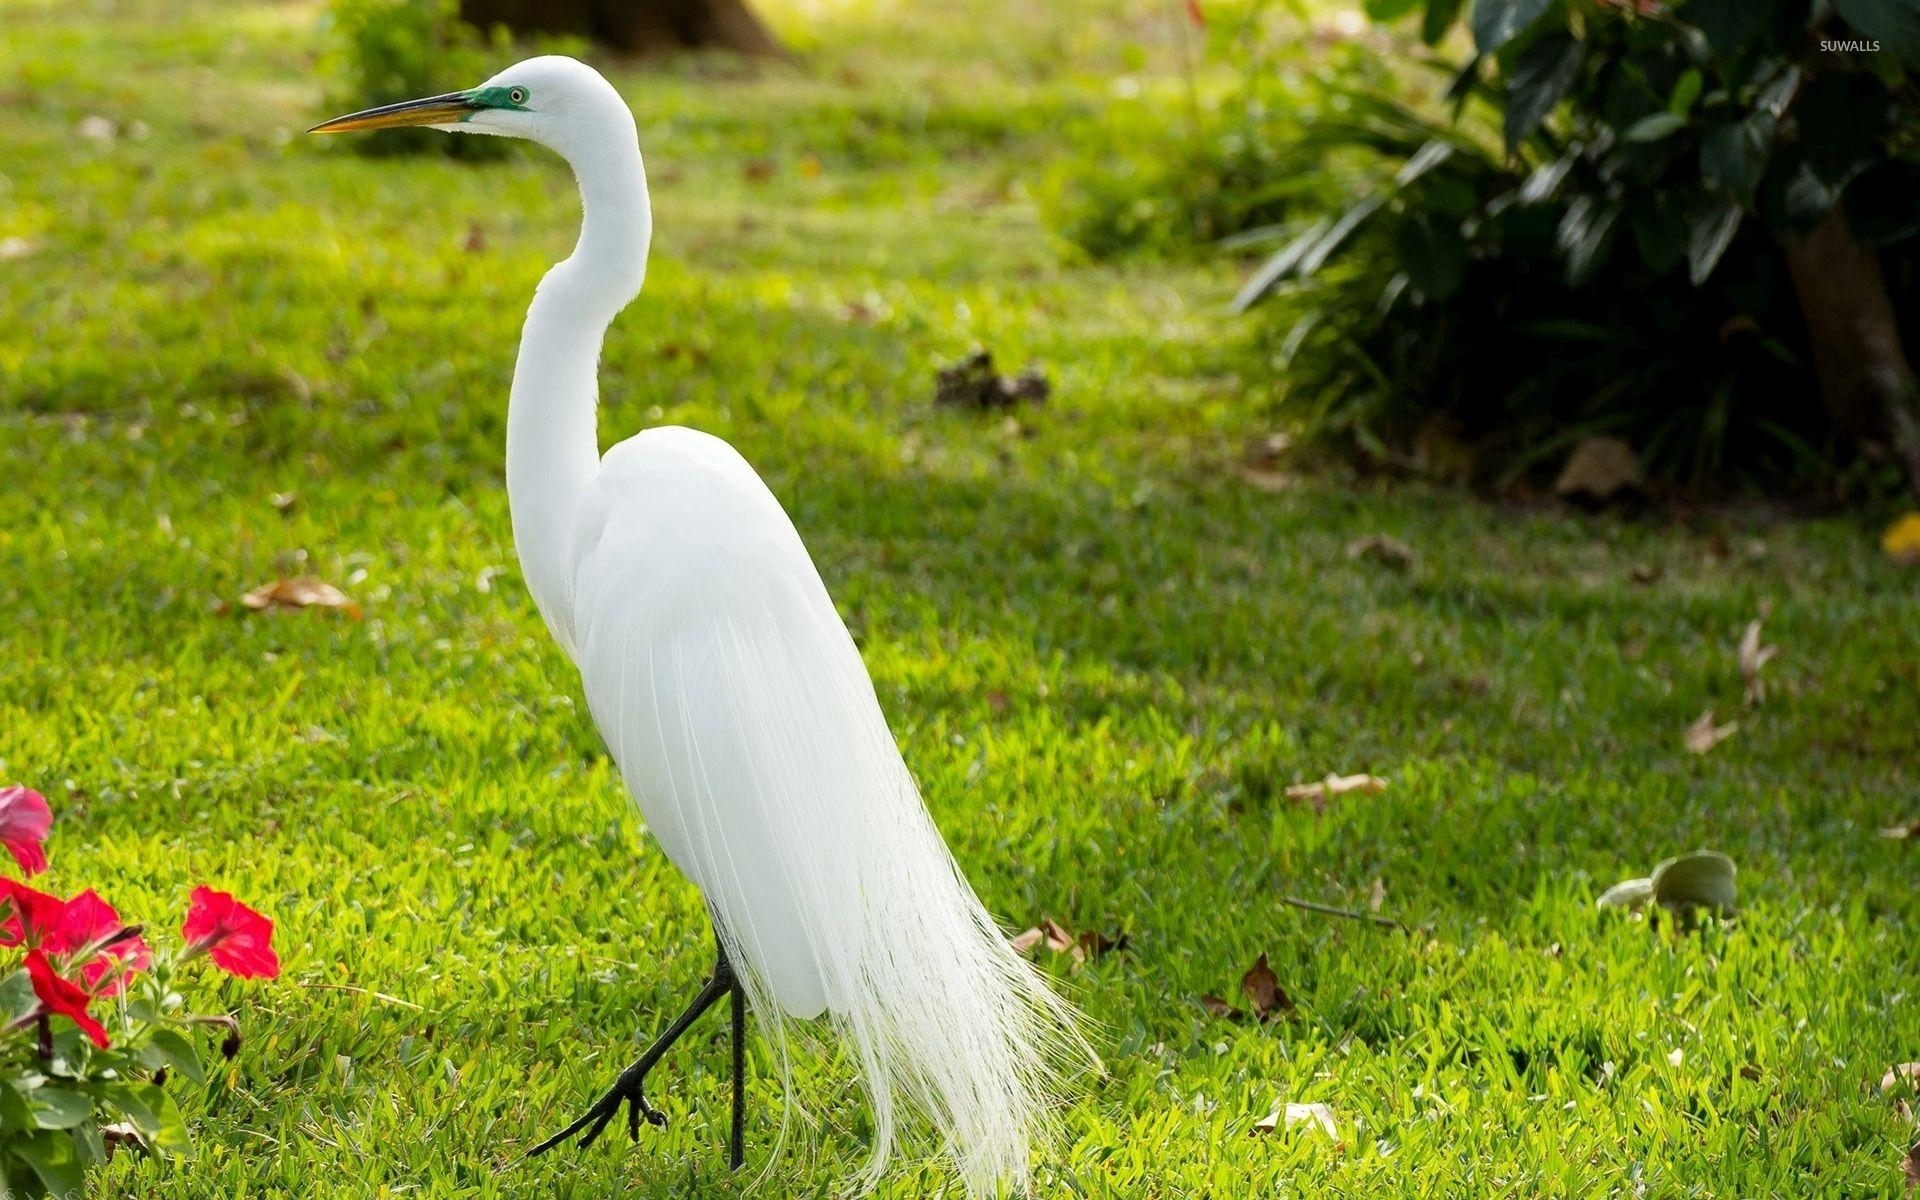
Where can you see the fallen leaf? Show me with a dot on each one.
(304, 591)
(1598, 470)
(1901, 541)
(1263, 466)
(973, 383)
(1646, 572)
(1750, 1072)
(1319, 793)
(1903, 1073)
(1702, 879)
(96, 128)
(1262, 989)
(1220, 1008)
(1703, 735)
(1676, 1057)
(283, 501)
(16, 247)
(1382, 549)
(1059, 939)
(476, 239)
(758, 170)
(1911, 1165)
(1901, 833)
(1752, 657)
(1286, 1116)
(1376, 895)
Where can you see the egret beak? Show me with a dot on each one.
(449, 109)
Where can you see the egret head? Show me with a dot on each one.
(552, 99)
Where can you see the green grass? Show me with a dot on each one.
(1103, 654)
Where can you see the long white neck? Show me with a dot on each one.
(552, 445)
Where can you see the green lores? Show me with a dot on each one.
(513, 98)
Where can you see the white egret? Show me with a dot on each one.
(737, 707)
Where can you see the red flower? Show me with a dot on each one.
(32, 917)
(239, 939)
(86, 924)
(24, 821)
(63, 997)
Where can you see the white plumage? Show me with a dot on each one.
(734, 700)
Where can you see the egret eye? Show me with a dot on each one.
(517, 95)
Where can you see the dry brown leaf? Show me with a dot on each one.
(1286, 1116)
(1647, 572)
(1703, 735)
(1263, 466)
(1901, 541)
(1059, 939)
(1911, 1165)
(1335, 785)
(303, 591)
(1262, 989)
(1220, 1008)
(1753, 656)
(1383, 549)
(476, 239)
(1599, 469)
(1901, 833)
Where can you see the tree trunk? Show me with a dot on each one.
(634, 26)
(1865, 380)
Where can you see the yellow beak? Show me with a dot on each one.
(430, 110)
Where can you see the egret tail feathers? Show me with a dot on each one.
(939, 1013)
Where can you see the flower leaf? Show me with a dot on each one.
(170, 1048)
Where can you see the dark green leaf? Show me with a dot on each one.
(1734, 157)
(17, 1001)
(54, 1160)
(1728, 25)
(1659, 232)
(1655, 127)
(1686, 92)
(1441, 14)
(1542, 76)
(1842, 119)
(1545, 179)
(1434, 257)
(170, 1048)
(1895, 24)
(1583, 237)
(1708, 239)
(15, 1113)
(89, 1147)
(171, 1137)
(1390, 10)
(58, 1108)
(1497, 22)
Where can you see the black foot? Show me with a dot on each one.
(630, 1087)
(632, 1093)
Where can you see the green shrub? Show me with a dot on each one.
(1602, 240)
(385, 51)
(1170, 167)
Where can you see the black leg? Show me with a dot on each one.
(736, 1141)
(629, 1088)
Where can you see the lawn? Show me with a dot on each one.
(230, 354)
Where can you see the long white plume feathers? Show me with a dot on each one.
(749, 732)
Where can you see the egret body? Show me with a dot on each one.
(736, 705)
